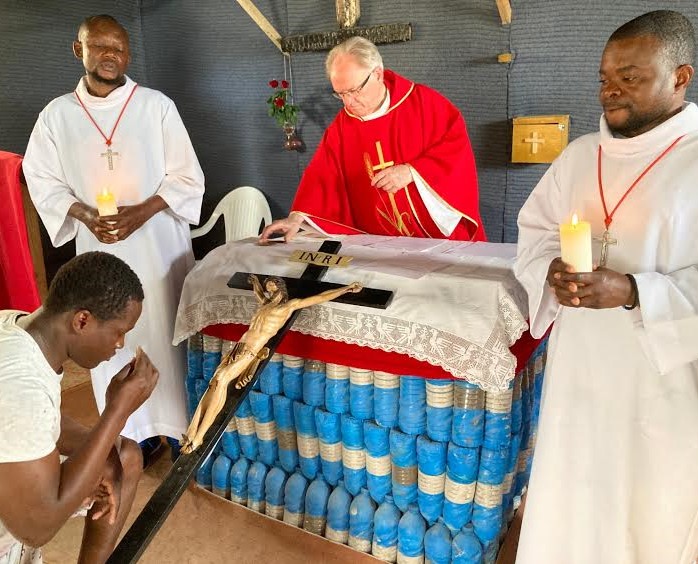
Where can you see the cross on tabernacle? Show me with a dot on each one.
(534, 140)
(109, 154)
(605, 241)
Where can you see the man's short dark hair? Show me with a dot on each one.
(674, 30)
(89, 20)
(98, 282)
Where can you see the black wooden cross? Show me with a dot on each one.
(173, 485)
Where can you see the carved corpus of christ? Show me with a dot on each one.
(241, 362)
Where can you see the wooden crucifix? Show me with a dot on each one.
(155, 512)
(348, 13)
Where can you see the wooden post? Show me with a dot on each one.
(31, 218)
(504, 7)
(262, 22)
(348, 12)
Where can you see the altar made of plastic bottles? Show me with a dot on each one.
(405, 468)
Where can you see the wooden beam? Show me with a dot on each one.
(262, 22)
(31, 218)
(504, 7)
(510, 544)
(323, 41)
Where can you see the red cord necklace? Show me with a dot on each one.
(109, 153)
(606, 238)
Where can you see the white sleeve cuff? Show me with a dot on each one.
(444, 217)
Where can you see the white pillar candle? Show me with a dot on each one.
(106, 205)
(575, 244)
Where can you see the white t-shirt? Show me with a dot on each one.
(30, 402)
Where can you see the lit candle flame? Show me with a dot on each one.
(575, 219)
(105, 191)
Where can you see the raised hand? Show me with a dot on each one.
(132, 385)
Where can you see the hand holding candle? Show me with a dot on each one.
(106, 205)
(575, 244)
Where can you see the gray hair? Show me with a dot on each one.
(674, 31)
(364, 52)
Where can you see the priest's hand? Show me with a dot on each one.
(98, 225)
(287, 227)
(132, 218)
(393, 179)
(603, 288)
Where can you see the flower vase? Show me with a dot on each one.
(292, 143)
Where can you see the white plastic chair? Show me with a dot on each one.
(243, 210)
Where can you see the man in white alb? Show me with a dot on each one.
(615, 471)
(112, 135)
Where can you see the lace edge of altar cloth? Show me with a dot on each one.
(489, 365)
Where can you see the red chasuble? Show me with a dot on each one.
(421, 128)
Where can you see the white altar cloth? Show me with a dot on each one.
(461, 313)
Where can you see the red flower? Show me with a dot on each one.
(279, 102)
(284, 84)
(274, 83)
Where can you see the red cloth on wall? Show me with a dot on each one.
(18, 289)
(336, 352)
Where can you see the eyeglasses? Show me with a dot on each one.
(354, 91)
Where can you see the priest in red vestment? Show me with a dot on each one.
(395, 161)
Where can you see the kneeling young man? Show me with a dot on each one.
(51, 466)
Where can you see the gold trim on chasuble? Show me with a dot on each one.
(390, 109)
(393, 216)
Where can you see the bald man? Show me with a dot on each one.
(113, 134)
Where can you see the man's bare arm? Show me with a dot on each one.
(73, 435)
(51, 492)
(38, 496)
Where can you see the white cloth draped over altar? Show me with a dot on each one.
(456, 304)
